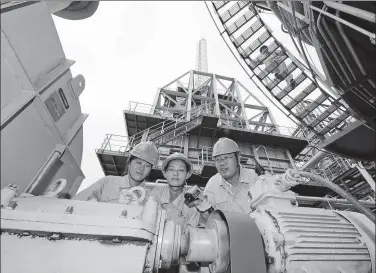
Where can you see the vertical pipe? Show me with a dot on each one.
(351, 48)
(43, 171)
(328, 43)
(363, 14)
(332, 37)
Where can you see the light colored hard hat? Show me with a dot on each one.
(225, 145)
(146, 151)
(177, 156)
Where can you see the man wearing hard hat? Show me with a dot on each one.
(228, 189)
(129, 188)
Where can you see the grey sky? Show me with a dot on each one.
(126, 50)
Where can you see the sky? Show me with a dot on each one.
(126, 50)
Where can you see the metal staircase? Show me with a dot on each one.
(307, 100)
(247, 32)
(168, 130)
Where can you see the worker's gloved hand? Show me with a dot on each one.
(132, 196)
(202, 203)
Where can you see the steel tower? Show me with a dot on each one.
(191, 113)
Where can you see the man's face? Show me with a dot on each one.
(226, 164)
(139, 169)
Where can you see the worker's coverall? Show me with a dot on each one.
(222, 196)
(108, 189)
(177, 211)
(280, 71)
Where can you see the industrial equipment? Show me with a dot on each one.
(288, 228)
(48, 234)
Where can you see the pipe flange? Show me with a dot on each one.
(176, 246)
(222, 257)
(168, 244)
(159, 240)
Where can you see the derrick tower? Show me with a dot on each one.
(318, 103)
(191, 113)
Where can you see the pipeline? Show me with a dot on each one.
(363, 14)
(293, 175)
(327, 42)
(342, 55)
(351, 48)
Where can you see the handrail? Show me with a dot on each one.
(169, 124)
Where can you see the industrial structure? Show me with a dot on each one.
(191, 113)
(312, 206)
(320, 103)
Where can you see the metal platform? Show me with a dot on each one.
(355, 141)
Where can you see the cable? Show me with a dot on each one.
(327, 183)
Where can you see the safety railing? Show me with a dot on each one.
(140, 107)
(170, 127)
(205, 157)
(332, 166)
(114, 144)
(240, 123)
(148, 109)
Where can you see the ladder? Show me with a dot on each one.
(247, 33)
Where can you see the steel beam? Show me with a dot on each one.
(242, 104)
(215, 94)
(189, 100)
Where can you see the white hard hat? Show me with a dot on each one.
(146, 151)
(225, 145)
(178, 156)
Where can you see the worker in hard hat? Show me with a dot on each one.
(176, 168)
(228, 189)
(129, 188)
(273, 64)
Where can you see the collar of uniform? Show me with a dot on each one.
(242, 177)
(165, 197)
(128, 185)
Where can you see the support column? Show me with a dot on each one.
(272, 119)
(156, 101)
(244, 114)
(214, 92)
(291, 160)
(366, 175)
(186, 146)
(189, 99)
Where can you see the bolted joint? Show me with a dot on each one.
(69, 210)
(116, 240)
(55, 236)
(12, 205)
(124, 214)
(269, 259)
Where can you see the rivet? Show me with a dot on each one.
(12, 205)
(69, 210)
(55, 236)
(124, 213)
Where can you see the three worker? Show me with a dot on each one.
(226, 190)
